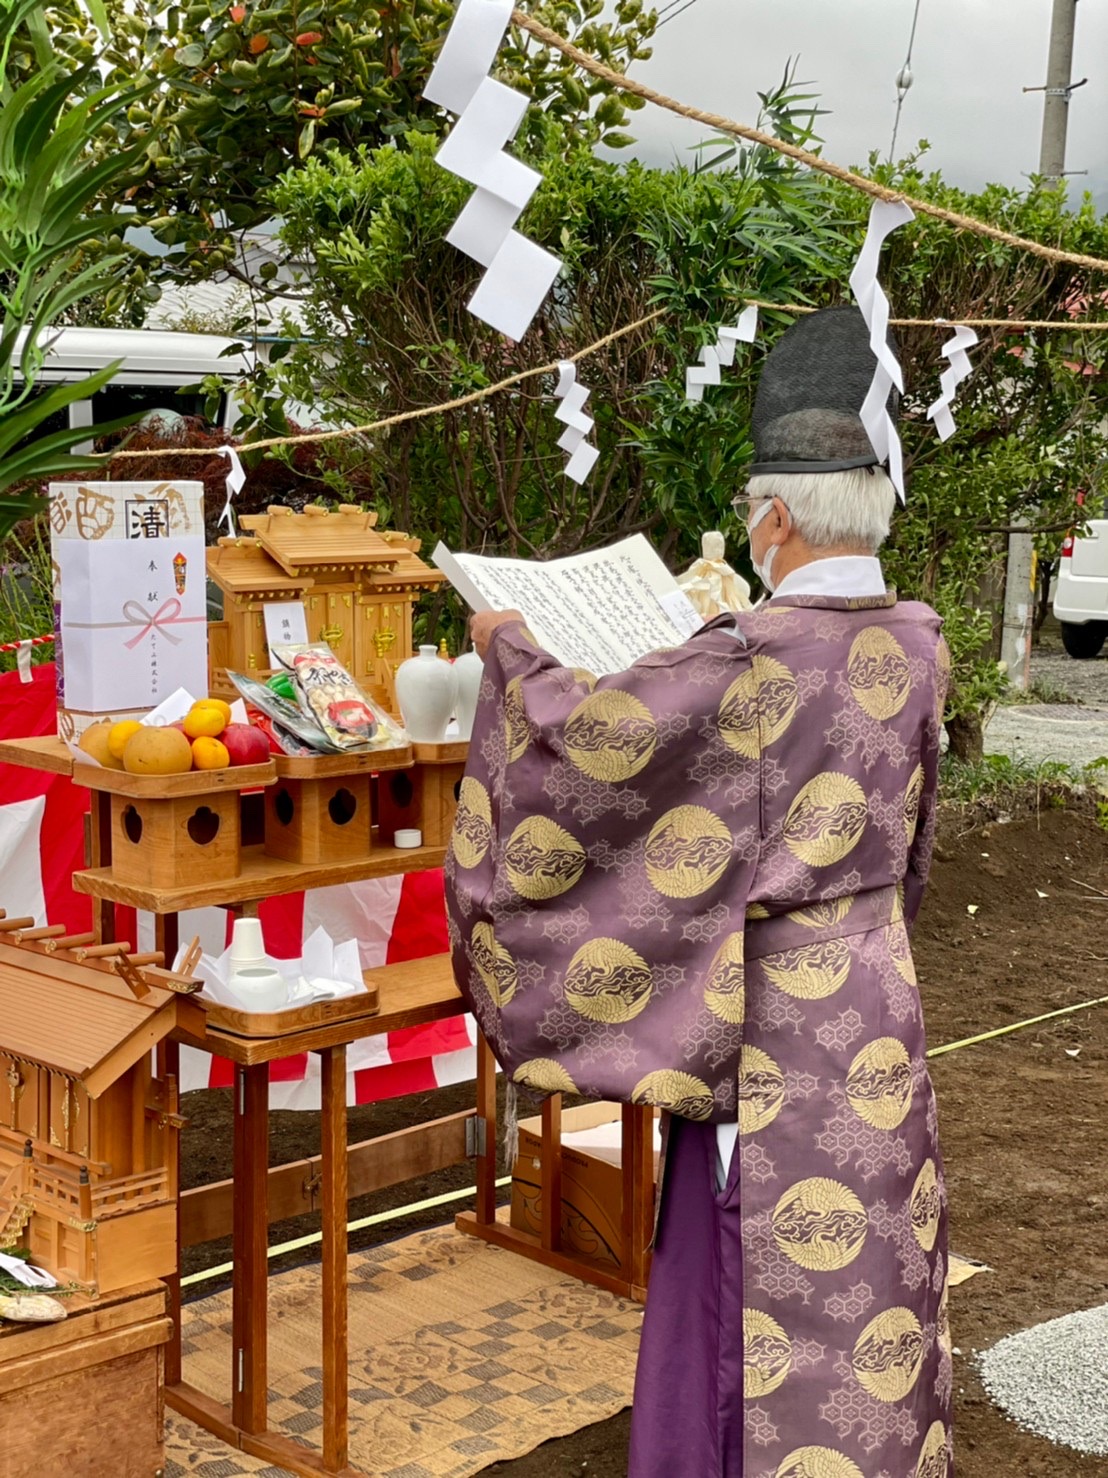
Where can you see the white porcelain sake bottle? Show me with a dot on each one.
(468, 669)
(426, 690)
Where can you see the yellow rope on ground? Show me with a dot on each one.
(1003, 1031)
(755, 136)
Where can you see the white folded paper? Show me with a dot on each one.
(518, 273)
(578, 423)
(468, 52)
(721, 353)
(955, 351)
(885, 217)
(324, 971)
(24, 1273)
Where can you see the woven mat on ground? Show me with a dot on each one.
(461, 1355)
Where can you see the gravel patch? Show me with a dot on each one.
(1053, 1380)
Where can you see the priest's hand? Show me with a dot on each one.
(484, 624)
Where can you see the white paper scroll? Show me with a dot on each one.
(885, 217)
(578, 423)
(236, 477)
(722, 353)
(518, 274)
(955, 351)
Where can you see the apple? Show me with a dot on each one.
(245, 744)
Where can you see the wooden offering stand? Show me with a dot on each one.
(397, 996)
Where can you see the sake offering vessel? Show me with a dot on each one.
(468, 671)
(426, 690)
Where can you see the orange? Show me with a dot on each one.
(224, 708)
(152, 751)
(118, 736)
(204, 721)
(209, 754)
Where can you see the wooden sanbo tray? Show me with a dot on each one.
(334, 766)
(291, 1019)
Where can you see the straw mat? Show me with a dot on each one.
(461, 1355)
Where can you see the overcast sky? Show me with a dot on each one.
(972, 59)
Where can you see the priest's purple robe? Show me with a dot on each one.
(690, 884)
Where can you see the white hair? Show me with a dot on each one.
(830, 510)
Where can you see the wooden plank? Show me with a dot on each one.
(450, 752)
(169, 1069)
(335, 1196)
(207, 1211)
(260, 877)
(102, 1421)
(190, 783)
(249, 1320)
(47, 753)
(637, 1164)
(204, 1410)
(128, 1307)
(328, 766)
(44, 1365)
(410, 994)
(291, 1018)
(551, 1219)
(486, 1114)
(500, 1234)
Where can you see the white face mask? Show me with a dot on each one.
(762, 570)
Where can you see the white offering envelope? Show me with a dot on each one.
(325, 971)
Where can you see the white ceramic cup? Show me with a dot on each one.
(247, 946)
(260, 987)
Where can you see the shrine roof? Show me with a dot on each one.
(77, 1019)
(301, 542)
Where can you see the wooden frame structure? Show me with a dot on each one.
(245, 1205)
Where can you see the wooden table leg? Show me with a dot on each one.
(99, 854)
(551, 1229)
(169, 1065)
(486, 1113)
(637, 1221)
(335, 1328)
(249, 1389)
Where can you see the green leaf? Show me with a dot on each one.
(191, 55)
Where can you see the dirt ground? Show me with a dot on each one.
(1024, 1129)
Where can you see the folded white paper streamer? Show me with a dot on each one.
(573, 395)
(885, 217)
(955, 351)
(720, 354)
(518, 273)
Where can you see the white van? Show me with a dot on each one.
(157, 370)
(1081, 596)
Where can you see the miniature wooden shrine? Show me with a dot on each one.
(358, 585)
(88, 1155)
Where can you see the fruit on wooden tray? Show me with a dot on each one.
(118, 735)
(209, 753)
(94, 742)
(224, 708)
(151, 751)
(204, 721)
(246, 744)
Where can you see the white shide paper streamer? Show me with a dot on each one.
(720, 354)
(236, 477)
(518, 273)
(885, 217)
(573, 395)
(955, 350)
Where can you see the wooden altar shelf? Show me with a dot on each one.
(88, 1181)
(320, 809)
(260, 876)
(84, 1396)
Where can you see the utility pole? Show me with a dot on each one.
(1021, 580)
